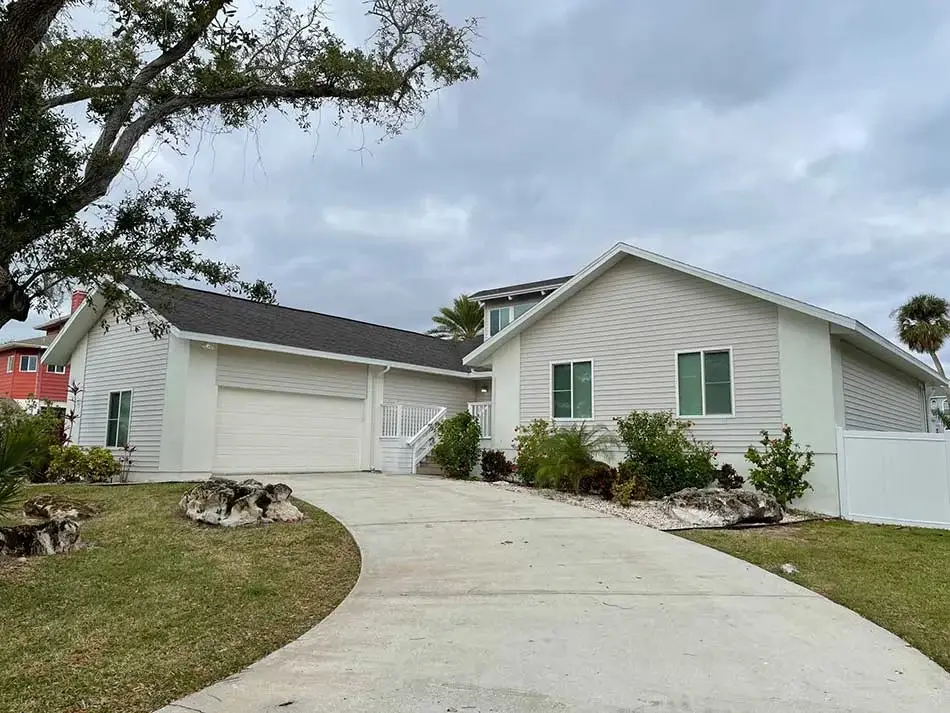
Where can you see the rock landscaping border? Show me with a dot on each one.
(650, 513)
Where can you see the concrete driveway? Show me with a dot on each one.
(474, 599)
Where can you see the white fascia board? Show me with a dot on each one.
(332, 356)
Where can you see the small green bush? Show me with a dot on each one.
(568, 454)
(101, 465)
(780, 468)
(74, 464)
(495, 466)
(661, 449)
(635, 485)
(529, 442)
(459, 446)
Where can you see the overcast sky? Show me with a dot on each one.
(799, 146)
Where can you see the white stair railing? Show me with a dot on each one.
(481, 410)
(422, 442)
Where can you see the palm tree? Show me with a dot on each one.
(923, 325)
(463, 321)
(18, 444)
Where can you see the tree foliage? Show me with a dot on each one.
(75, 103)
(923, 325)
(463, 321)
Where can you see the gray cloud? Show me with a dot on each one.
(798, 146)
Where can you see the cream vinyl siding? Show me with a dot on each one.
(877, 397)
(120, 359)
(630, 323)
(270, 371)
(418, 389)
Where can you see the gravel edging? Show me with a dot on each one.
(642, 512)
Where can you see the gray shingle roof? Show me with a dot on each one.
(205, 312)
(521, 287)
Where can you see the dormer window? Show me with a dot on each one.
(501, 317)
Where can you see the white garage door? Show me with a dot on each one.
(276, 432)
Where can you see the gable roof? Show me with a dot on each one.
(522, 288)
(214, 317)
(856, 332)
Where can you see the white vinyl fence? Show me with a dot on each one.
(893, 477)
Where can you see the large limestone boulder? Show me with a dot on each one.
(49, 538)
(227, 503)
(715, 507)
(57, 507)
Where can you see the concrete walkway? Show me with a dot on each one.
(474, 599)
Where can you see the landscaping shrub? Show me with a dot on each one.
(529, 442)
(43, 425)
(622, 492)
(568, 454)
(495, 466)
(18, 445)
(459, 445)
(627, 473)
(727, 478)
(101, 466)
(662, 450)
(73, 464)
(779, 469)
(599, 480)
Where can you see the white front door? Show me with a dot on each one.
(278, 432)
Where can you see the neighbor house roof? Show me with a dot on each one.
(214, 317)
(851, 329)
(29, 343)
(520, 289)
(54, 322)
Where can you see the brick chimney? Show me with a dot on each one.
(78, 298)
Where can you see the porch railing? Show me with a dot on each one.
(424, 441)
(481, 410)
(404, 421)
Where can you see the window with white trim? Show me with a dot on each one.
(54, 369)
(28, 362)
(501, 317)
(11, 360)
(572, 390)
(120, 416)
(704, 383)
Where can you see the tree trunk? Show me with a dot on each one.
(24, 26)
(937, 365)
(14, 302)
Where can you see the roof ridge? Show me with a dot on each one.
(306, 311)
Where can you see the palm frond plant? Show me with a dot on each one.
(569, 453)
(19, 443)
(923, 325)
(463, 321)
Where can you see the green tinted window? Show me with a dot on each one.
(718, 383)
(689, 372)
(572, 394)
(561, 390)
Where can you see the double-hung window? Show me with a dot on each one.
(501, 317)
(120, 415)
(572, 390)
(704, 383)
(28, 362)
(55, 369)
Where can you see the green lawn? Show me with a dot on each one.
(157, 606)
(898, 577)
